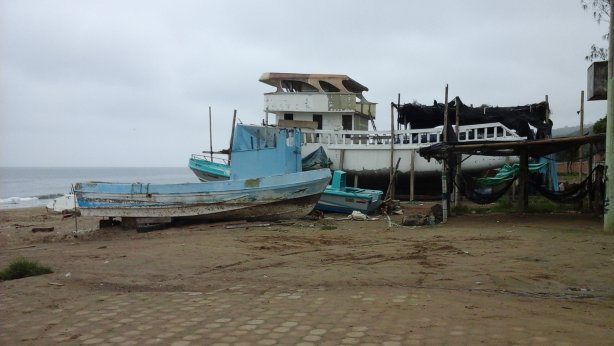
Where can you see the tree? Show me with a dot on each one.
(601, 12)
(599, 126)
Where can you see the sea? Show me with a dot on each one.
(25, 187)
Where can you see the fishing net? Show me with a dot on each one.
(572, 194)
(519, 118)
(480, 194)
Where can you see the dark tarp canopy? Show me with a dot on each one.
(516, 118)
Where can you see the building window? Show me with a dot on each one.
(318, 119)
(346, 121)
(288, 116)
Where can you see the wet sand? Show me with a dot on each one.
(492, 279)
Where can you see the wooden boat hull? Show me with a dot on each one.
(339, 198)
(274, 197)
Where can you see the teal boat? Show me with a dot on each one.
(214, 168)
(339, 198)
(206, 169)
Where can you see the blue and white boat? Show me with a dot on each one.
(266, 182)
(216, 168)
(340, 198)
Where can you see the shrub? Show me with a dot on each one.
(23, 267)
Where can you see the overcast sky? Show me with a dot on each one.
(129, 83)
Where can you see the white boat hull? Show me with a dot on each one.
(366, 154)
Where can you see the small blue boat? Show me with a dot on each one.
(206, 169)
(339, 198)
(266, 182)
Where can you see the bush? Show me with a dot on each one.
(22, 267)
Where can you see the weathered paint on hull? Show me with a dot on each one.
(287, 209)
(294, 194)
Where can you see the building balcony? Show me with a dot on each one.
(316, 102)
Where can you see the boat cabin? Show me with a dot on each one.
(260, 151)
(318, 101)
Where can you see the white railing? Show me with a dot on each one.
(207, 157)
(467, 133)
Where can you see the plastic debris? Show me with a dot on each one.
(357, 215)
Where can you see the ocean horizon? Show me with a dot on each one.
(25, 187)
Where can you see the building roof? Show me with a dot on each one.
(342, 82)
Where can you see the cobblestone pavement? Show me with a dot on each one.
(244, 315)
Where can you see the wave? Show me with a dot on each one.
(50, 196)
(16, 200)
(20, 200)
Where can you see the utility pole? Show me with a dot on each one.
(608, 213)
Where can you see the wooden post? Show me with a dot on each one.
(355, 181)
(444, 171)
(74, 198)
(398, 105)
(341, 159)
(590, 180)
(210, 137)
(445, 118)
(392, 187)
(523, 201)
(232, 135)
(581, 134)
(412, 174)
(458, 157)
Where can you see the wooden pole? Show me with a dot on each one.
(412, 174)
(392, 190)
(523, 201)
(444, 171)
(74, 198)
(232, 135)
(398, 105)
(445, 118)
(210, 137)
(551, 156)
(458, 157)
(591, 195)
(581, 134)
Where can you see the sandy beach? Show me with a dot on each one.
(481, 278)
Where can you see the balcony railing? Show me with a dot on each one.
(316, 102)
(467, 133)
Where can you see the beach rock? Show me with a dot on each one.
(414, 221)
(42, 229)
(437, 212)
